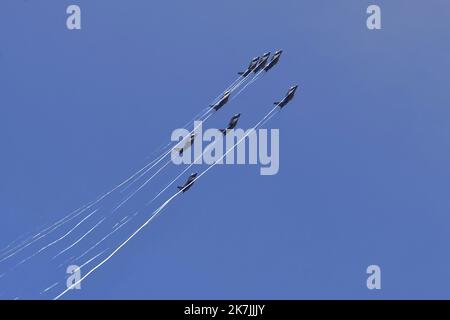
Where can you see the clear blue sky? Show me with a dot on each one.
(364, 174)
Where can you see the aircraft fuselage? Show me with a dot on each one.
(222, 101)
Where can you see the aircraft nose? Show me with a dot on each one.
(237, 115)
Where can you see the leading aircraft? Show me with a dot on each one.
(262, 62)
(274, 60)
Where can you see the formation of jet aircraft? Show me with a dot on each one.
(257, 64)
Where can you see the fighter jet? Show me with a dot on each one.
(274, 60)
(289, 95)
(188, 183)
(262, 62)
(232, 124)
(250, 67)
(223, 100)
(186, 145)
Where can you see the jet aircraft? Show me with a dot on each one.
(232, 124)
(223, 100)
(274, 60)
(262, 62)
(250, 67)
(188, 183)
(289, 96)
(186, 145)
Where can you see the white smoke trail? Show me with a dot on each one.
(206, 110)
(234, 88)
(195, 161)
(248, 83)
(91, 259)
(90, 205)
(168, 152)
(177, 177)
(154, 215)
(103, 239)
(137, 174)
(76, 269)
(49, 288)
(236, 83)
(268, 119)
(81, 238)
(41, 234)
(144, 170)
(157, 211)
(65, 262)
(198, 116)
(83, 208)
(230, 86)
(141, 175)
(237, 143)
(50, 244)
(12, 243)
(141, 186)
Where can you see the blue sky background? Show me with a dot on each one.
(364, 174)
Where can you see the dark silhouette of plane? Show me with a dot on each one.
(232, 124)
(262, 62)
(274, 60)
(188, 183)
(250, 67)
(186, 145)
(289, 96)
(223, 100)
